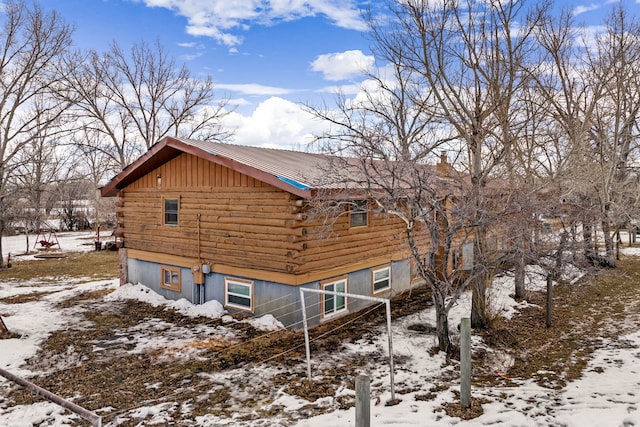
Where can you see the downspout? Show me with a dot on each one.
(198, 231)
(199, 281)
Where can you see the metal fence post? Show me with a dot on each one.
(96, 420)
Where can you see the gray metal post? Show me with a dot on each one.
(356, 296)
(391, 367)
(95, 420)
(306, 334)
(465, 363)
(363, 401)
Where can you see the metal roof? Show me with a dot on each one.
(299, 169)
(297, 172)
(294, 171)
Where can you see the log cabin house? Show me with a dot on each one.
(203, 220)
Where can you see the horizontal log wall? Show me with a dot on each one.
(245, 223)
(340, 244)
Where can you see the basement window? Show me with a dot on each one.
(170, 211)
(381, 279)
(358, 213)
(170, 278)
(334, 304)
(238, 294)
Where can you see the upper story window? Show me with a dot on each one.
(170, 211)
(359, 213)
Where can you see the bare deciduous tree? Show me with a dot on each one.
(457, 70)
(37, 171)
(458, 65)
(385, 139)
(589, 88)
(32, 42)
(614, 137)
(126, 102)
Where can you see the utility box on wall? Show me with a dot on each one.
(198, 275)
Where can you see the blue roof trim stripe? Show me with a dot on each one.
(293, 183)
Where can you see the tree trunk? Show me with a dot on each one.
(442, 321)
(519, 275)
(608, 241)
(26, 238)
(2, 225)
(479, 318)
(560, 255)
(549, 315)
(588, 251)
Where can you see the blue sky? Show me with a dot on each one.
(266, 56)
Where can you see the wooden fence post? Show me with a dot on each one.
(3, 327)
(549, 317)
(465, 363)
(363, 401)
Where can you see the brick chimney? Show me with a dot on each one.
(444, 168)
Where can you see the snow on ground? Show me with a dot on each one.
(607, 395)
(35, 320)
(211, 309)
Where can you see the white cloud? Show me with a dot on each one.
(197, 50)
(589, 34)
(342, 65)
(190, 56)
(239, 102)
(350, 89)
(219, 19)
(585, 8)
(254, 89)
(275, 123)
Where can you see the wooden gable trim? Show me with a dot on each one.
(242, 168)
(257, 274)
(169, 148)
(157, 155)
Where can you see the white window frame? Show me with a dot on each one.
(388, 279)
(238, 282)
(325, 297)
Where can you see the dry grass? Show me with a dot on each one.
(583, 316)
(95, 265)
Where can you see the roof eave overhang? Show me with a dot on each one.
(169, 148)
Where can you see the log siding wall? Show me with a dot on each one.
(244, 223)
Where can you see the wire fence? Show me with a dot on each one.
(168, 372)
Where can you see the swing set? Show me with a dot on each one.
(47, 238)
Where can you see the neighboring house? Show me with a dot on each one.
(203, 220)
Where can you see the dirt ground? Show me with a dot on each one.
(70, 365)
